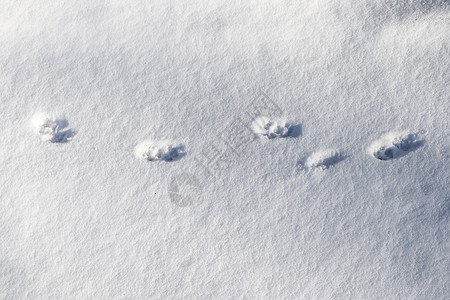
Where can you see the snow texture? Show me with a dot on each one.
(209, 210)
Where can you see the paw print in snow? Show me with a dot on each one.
(51, 129)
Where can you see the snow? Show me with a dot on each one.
(352, 202)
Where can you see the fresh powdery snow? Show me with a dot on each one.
(211, 149)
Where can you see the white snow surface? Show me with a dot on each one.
(82, 218)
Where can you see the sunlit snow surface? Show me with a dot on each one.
(131, 167)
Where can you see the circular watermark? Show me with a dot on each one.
(184, 189)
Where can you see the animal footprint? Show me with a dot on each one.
(53, 130)
(322, 160)
(272, 129)
(159, 150)
(395, 145)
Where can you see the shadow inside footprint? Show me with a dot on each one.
(159, 151)
(174, 153)
(271, 129)
(60, 135)
(53, 130)
(63, 136)
(321, 160)
(408, 143)
(295, 131)
(331, 160)
(399, 147)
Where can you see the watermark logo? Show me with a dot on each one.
(218, 155)
(184, 189)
